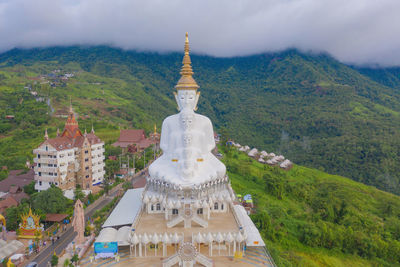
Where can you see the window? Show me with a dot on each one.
(86, 160)
(47, 149)
(40, 173)
(87, 168)
(158, 206)
(216, 205)
(50, 165)
(86, 151)
(40, 182)
(56, 183)
(39, 165)
(87, 176)
(38, 156)
(200, 211)
(222, 206)
(55, 165)
(175, 211)
(152, 207)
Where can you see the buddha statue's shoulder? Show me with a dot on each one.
(203, 119)
(171, 119)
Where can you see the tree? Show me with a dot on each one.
(54, 260)
(51, 200)
(13, 216)
(67, 263)
(78, 194)
(30, 188)
(112, 167)
(127, 185)
(75, 259)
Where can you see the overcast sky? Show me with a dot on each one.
(353, 31)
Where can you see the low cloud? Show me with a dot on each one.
(353, 31)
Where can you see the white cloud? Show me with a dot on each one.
(353, 31)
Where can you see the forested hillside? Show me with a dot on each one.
(311, 108)
(311, 218)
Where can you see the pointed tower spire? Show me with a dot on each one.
(155, 128)
(92, 131)
(186, 82)
(70, 106)
(46, 136)
(71, 129)
(58, 131)
(85, 132)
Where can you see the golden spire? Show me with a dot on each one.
(155, 128)
(186, 82)
(46, 136)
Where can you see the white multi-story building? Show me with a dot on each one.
(70, 159)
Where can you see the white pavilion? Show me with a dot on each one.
(187, 211)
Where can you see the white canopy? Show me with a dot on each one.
(110, 234)
(254, 238)
(107, 235)
(10, 248)
(123, 236)
(127, 209)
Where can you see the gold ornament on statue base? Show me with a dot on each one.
(29, 226)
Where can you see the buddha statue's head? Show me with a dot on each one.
(187, 99)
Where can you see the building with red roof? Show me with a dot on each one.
(135, 140)
(71, 158)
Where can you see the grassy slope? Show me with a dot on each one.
(302, 229)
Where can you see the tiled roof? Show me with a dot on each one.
(93, 139)
(19, 196)
(55, 217)
(18, 180)
(131, 135)
(61, 143)
(6, 203)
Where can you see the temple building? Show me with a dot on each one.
(135, 140)
(187, 214)
(70, 159)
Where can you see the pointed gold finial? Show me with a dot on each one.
(155, 128)
(186, 82)
(46, 136)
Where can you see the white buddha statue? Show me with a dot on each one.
(187, 138)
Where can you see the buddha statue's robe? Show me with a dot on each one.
(187, 140)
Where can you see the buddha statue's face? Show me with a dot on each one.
(187, 119)
(187, 99)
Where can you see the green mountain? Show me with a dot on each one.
(311, 218)
(313, 109)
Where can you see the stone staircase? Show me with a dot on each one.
(257, 256)
(200, 221)
(175, 221)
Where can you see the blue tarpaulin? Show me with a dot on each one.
(105, 247)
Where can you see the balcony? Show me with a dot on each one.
(45, 160)
(45, 169)
(46, 178)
